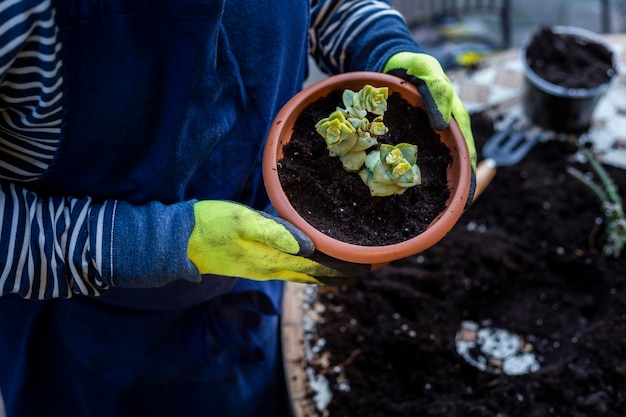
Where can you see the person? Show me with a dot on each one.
(142, 266)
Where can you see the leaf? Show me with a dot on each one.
(409, 152)
(353, 161)
(344, 146)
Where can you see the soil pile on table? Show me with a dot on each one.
(525, 258)
(338, 203)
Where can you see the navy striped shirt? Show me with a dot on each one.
(55, 246)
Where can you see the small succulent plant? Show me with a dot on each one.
(391, 170)
(351, 131)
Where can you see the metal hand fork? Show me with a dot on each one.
(504, 148)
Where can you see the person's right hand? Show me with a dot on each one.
(234, 240)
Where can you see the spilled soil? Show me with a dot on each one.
(418, 337)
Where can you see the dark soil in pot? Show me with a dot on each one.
(339, 204)
(524, 258)
(568, 60)
(567, 71)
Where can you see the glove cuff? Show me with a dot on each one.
(149, 245)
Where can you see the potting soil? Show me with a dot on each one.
(339, 204)
(521, 273)
(569, 61)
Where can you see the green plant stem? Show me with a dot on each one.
(611, 201)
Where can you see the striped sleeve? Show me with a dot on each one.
(356, 35)
(53, 247)
(60, 246)
(30, 88)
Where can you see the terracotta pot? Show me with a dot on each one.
(458, 173)
(553, 106)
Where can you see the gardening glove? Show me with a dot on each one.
(440, 99)
(234, 240)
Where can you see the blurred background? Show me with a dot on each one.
(461, 32)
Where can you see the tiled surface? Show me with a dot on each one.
(497, 87)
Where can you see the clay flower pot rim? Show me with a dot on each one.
(559, 90)
(375, 255)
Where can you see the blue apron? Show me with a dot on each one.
(158, 97)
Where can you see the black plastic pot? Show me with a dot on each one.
(559, 108)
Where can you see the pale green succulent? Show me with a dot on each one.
(391, 170)
(349, 133)
(374, 99)
(339, 134)
(367, 100)
(355, 158)
(353, 104)
(377, 127)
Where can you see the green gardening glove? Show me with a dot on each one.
(440, 99)
(234, 240)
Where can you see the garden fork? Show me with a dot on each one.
(504, 148)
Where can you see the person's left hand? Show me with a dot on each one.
(440, 99)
